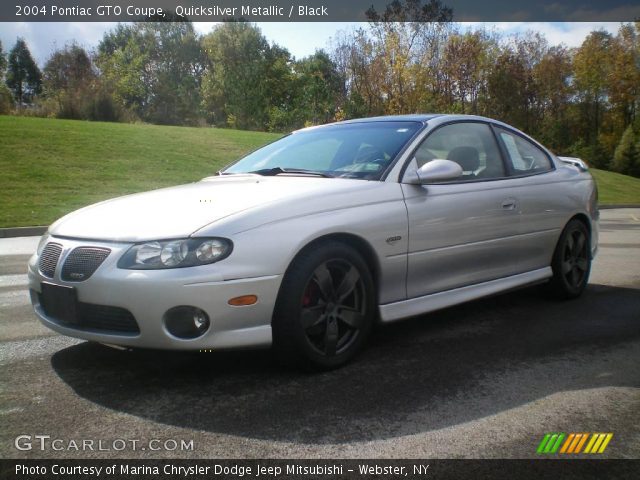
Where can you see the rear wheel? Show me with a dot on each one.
(325, 307)
(571, 261)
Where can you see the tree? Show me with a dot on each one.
(68, 77)
(155, 69)
(5, 95)
(626, 158)
(465, 65)
(403, 39)
(23, 75)
(320, 87)
(624, 81)
(592, 67)
(3, 62)
(507, 89)
(240, 71)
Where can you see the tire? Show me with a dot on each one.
(325, 308)
(571, 262)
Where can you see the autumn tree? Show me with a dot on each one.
(466, 63)
(553, 91)
(507, 89)
(592, 67)
(624, 81)
(363, 72)
(403, 36)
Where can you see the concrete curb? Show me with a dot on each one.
(622, 205)
(22, 231)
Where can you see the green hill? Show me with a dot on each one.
(51, 167)
(615, 188)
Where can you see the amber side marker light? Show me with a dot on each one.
(243, 301)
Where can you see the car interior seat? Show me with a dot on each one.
(467, 157)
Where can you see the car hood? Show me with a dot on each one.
(182, 210)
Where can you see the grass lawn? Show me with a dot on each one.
(51, 167)
(614, 188)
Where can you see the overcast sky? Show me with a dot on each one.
(301, 39)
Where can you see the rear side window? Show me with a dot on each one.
(524, 156)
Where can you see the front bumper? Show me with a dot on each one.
(148, 294)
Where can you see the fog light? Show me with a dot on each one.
(186, 322)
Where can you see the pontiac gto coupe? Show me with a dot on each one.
(307, 242)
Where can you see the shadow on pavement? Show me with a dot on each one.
(430, 372)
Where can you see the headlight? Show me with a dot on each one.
(188, 252)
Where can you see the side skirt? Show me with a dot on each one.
(436, 301)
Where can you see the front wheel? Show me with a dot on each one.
(571, 263)
(325, 307)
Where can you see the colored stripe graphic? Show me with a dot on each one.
(582, 440)
(573, 443)
(543, 443)
(592, 441)
(605, 443)
(598, 443)
(555, 448)
(550, 443)
(567, 442)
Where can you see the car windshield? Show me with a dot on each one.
(351, 150)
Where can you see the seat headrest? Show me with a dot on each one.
(467, 157)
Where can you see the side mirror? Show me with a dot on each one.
(434, 171)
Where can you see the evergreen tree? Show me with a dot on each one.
(627, 156)
(23, 75)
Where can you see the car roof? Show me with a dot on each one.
(415, 117)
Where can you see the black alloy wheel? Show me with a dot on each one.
(571, 261)
(333, 307)
(325, 307)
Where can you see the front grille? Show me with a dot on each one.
(82, 262)
(49, 259)
(90, 316)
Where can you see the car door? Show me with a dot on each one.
(543, 198)
(462, 232)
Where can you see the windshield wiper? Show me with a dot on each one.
(271, 172)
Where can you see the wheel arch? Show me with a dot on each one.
(362, 246)
(582, 218)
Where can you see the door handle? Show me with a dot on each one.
(509, 204)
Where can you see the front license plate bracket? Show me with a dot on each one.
(59, 302)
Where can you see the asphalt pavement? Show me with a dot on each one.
(483, 380)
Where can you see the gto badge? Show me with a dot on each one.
(77, 276)
(393, 240)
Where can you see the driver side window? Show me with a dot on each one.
(470, 144)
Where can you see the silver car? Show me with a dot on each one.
(307, 242)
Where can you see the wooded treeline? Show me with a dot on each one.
(581, 101)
